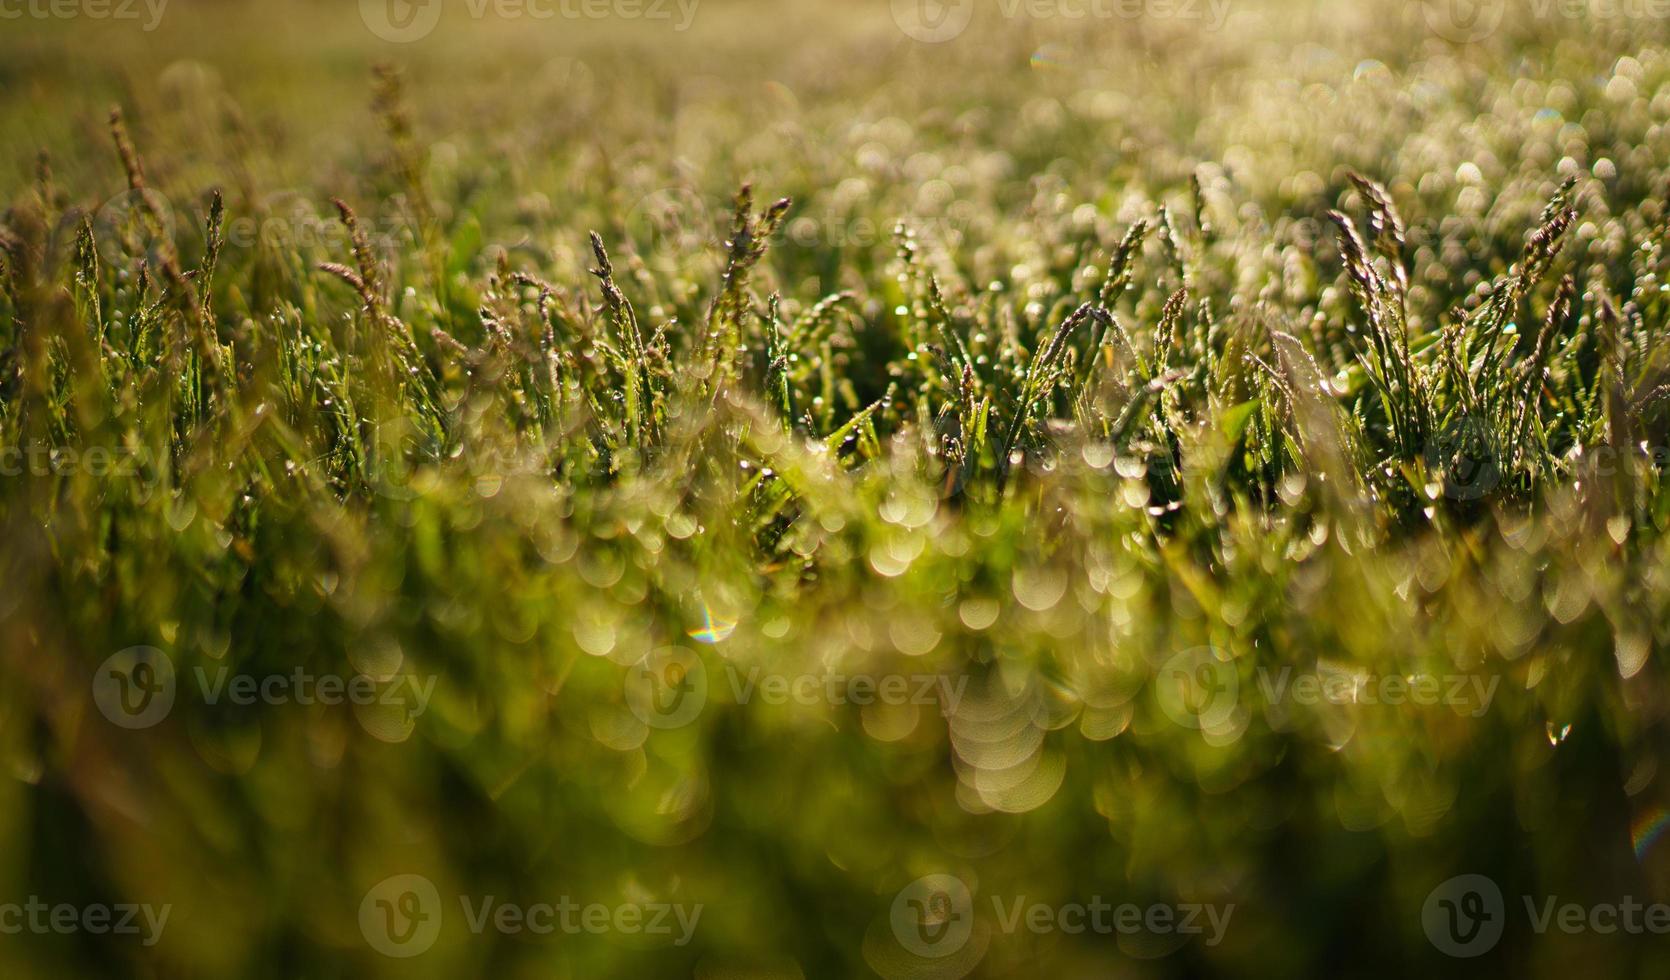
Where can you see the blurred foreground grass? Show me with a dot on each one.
(1025, 479)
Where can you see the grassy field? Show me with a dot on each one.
(734, 489)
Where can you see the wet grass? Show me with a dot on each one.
(607, 413)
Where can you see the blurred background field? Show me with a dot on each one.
(460, 462)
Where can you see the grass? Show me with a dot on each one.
(1092, 385)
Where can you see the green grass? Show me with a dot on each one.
(1051, 372)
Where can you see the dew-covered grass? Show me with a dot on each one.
(752, 468)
